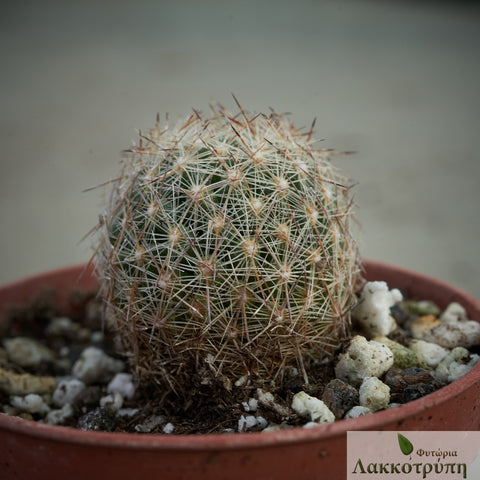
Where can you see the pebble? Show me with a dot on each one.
(122, 383)
(363, 359)
(266, 399)
(374, 394)
(456, 364)
(25, 383)
(357, 411)
(412, 392)
(100, 419)
(422, 325)
(455, 333)
(454, 313)
(31, 403)
(251, 405)
(58, 417)
(94, 365)
(114, 401)
(399, 380)
(62, 326)
(150, 424)
(66, 391)
(312, 408)
(340, 397)
(246, 422)
(168, 428)
(403, 357)
(373, 310)
(430, 353)
(27, 352)
(423, 307)
(128, 412)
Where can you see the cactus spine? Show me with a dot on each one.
(225, 250)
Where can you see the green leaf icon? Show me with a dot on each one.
(405, 444)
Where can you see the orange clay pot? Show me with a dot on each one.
(30, 450)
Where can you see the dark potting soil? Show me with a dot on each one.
(209, 408)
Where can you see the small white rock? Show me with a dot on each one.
(373, 311)
(246, 422)
(242, 381)
(363, 359)
(454, 313)
(357, 411)
(268, 400)
(457, 370)
(58, 417)
(265, 398)
(431, 353)
(422, 325)
(455, 330)
(31, 403)
(122, 383)
(114, 401)
(374, 394)
(251, 405)
(128, 412)
(66, 391)
(262, 422)
(312, 408)
(27, 352)
(168, 428)
(95, 365)
(454, 365)
(61, 326)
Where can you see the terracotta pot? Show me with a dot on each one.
(30, 450)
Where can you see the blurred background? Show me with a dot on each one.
(396, 81)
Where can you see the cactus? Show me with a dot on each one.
(225, 252)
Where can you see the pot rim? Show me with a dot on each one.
(229, 441)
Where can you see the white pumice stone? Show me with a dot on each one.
(246, 422)
(455, 329)
(403, 357)
(373, 311)
(122, 383)
(363, 359)
(114, 401)
(66, 391)
(26, 352)
(312, 408)
(268, 400)
(95, 365)
(127, 412)
(60, 326)
(456, 364)
(31, 403)
(457, 370)
(168, 428)
(357, 411)
(262, 422)
(454, 313)
(374, 394)
(431, 353)
(58, 417)
(251, 405)
(422, 325)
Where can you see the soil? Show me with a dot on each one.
(213, 408)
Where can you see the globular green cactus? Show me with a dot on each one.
(226, 252)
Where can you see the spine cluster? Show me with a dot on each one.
(225, 250)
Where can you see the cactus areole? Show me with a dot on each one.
(225, 253)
